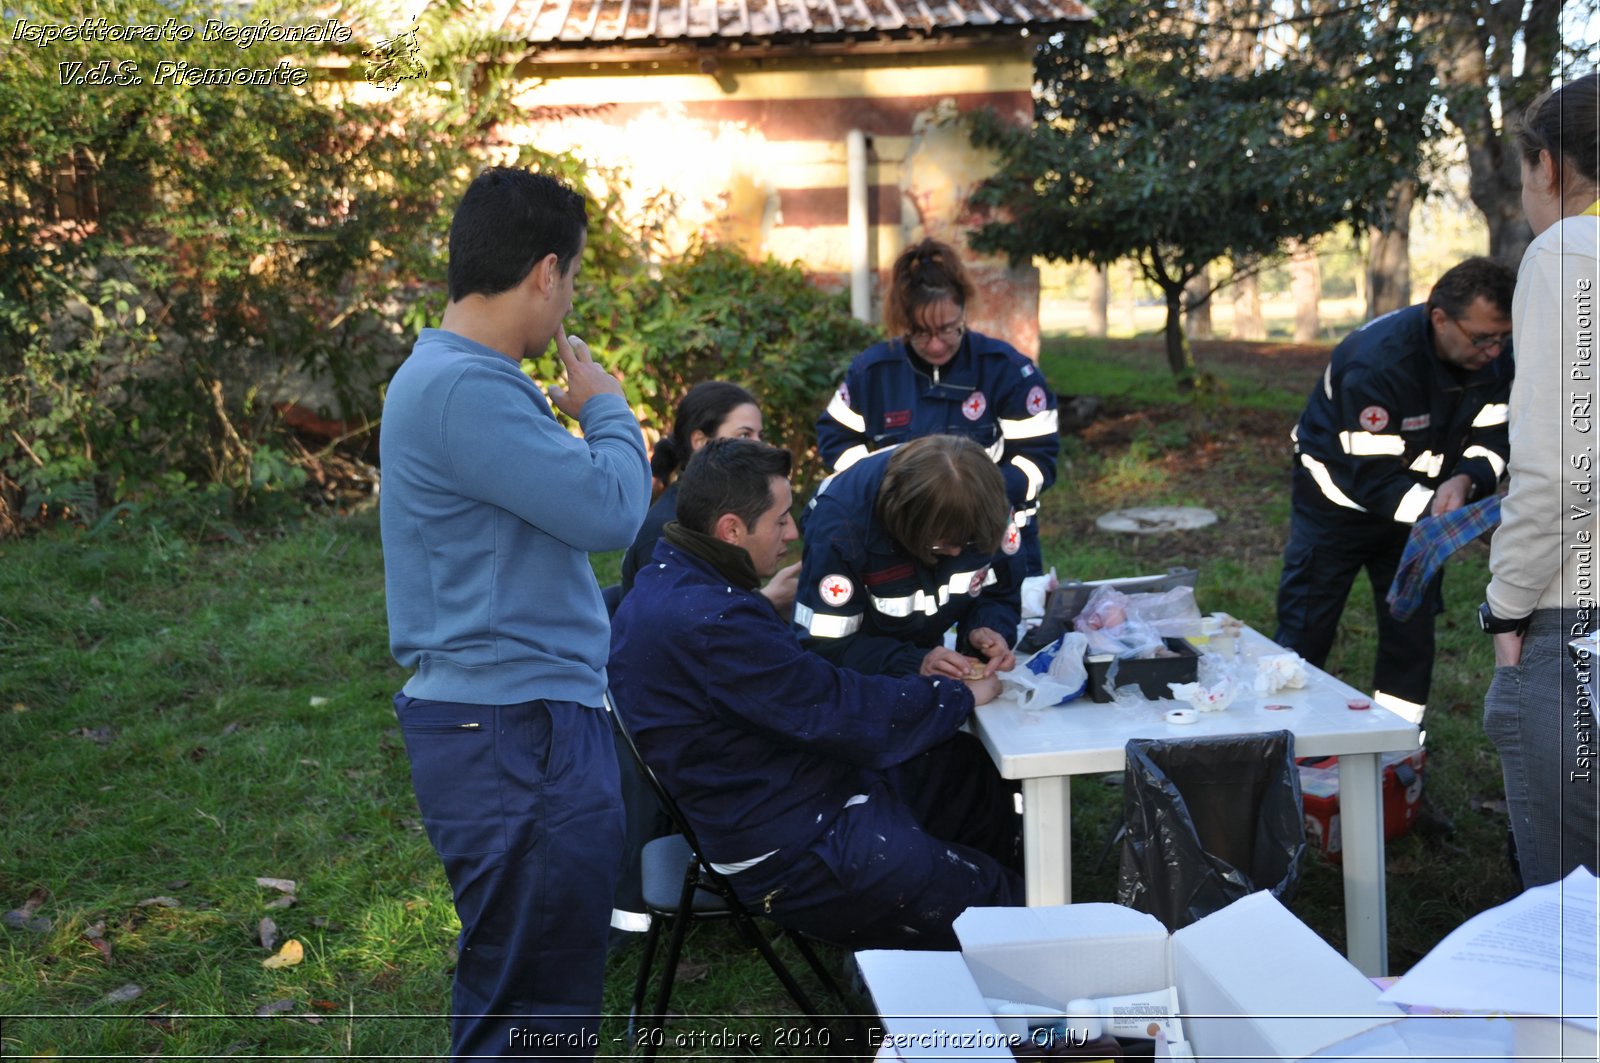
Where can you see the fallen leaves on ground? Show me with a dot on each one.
(160, 902)
(282, 885)
(100, 735)
(291, 954)
(124, 993)
(267, 932)
(275, 1008)
(23, 918)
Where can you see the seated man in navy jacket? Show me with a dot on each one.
(782, 761)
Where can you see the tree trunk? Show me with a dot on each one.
(1306, 283)
(1389, 254)
(1248, 324)
(1197, 312)
(1479, 43)
(1180, 356)
(1099, 301)
(1130, 302)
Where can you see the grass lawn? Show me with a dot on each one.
(181, 720)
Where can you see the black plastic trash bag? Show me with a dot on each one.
(1209, 820)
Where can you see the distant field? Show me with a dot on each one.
(1060, 314)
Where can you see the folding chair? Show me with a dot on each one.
(680, 886)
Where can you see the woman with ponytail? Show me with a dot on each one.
(714, 409)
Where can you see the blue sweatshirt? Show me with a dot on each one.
(489, 511)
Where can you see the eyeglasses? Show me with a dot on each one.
(1482, 343)
(951, 333)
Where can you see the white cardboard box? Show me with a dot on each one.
(1253, 981)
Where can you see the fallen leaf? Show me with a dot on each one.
(232, 727)
(103, 947)
(178, 884)
(292, 953)
(1483, 804)
(95, 932)
(35, 900)
(101, 735)
(267, 932)
(123, 994)
(318, 702)
(96, 604)
(160, 902)
(288, 900)
(282, 885)
(17, 919)
(692, 972)
(308, 762)
(274, 1008)
(325, 1005)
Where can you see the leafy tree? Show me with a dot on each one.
(1494, 57)
(1152, 141)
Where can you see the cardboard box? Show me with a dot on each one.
(1253, 981)
(1319, 791)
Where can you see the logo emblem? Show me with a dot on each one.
(844, 394)
(1013, 540)
(1411, 424)
(1037, 400)
(977, 581)
(973, 408)
(1374, 418)
(897, 418)
(836, 590)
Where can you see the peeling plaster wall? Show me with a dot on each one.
(755, 155)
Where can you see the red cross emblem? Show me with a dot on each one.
(977, 581)
(836, 590)
(973, 408)
(844, 394)
(1374, 418)
(1037, 400)
(1013, 540)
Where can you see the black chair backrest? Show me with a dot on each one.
(679, 822)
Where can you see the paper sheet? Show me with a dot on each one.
(1534, 955)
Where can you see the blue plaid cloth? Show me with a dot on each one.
(1432, 541)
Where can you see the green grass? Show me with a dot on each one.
(181, 718)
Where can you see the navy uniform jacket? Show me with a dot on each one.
(989, 392)
(761, 742)
(865, 603)
(1389, 422)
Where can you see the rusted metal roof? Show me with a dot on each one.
(589, 23)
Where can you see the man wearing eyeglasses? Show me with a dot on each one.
(1408, 421)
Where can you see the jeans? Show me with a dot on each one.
(1542, 723)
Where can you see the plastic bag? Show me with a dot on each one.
(1209, 820)
(1110, 627)
(1053, 676)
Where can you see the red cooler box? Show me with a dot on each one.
(1319, 790)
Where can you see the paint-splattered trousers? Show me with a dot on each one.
(900, 861)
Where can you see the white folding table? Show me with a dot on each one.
(1044, 748)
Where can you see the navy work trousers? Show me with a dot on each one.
(521, 804)
(894, 870)
(1320, 564)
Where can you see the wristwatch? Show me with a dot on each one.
(1494, 625)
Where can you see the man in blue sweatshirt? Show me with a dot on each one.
(489, 509)
(782, 762)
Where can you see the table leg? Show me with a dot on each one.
(1361, 832)
(1047, 839)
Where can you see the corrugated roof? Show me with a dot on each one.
(586, 23)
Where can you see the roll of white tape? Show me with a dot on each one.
(1182, 716)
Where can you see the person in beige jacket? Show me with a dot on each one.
(1539, 709)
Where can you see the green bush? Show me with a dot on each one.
(713, 314)
(250, 245)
